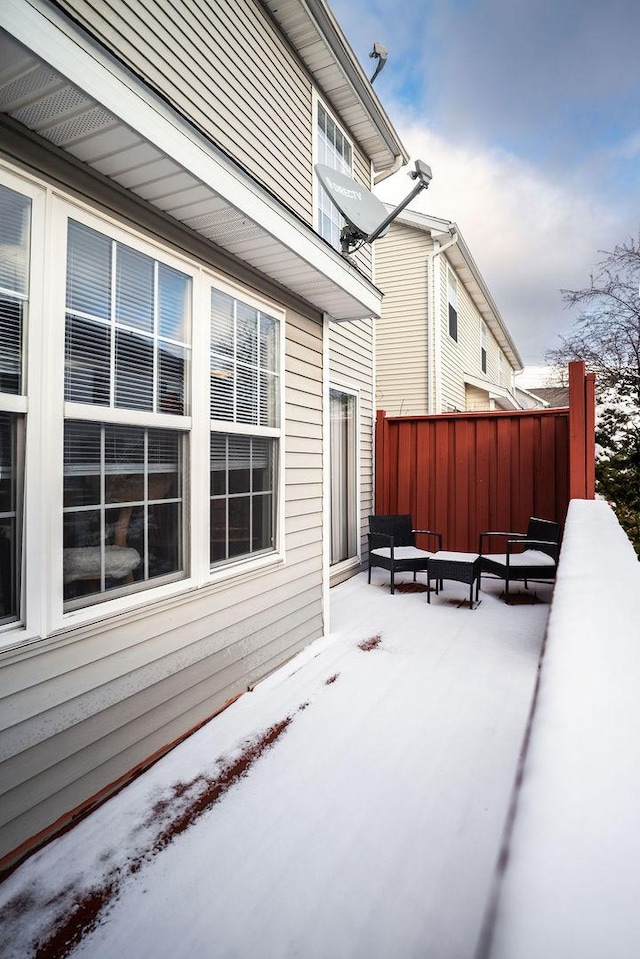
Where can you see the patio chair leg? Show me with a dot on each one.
(392, 583)
(369, 579)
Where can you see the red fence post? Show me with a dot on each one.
(577, 431)
(590, 439)
(381, 466)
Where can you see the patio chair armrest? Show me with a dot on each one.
(496, 533)
(530, 542)
(380, 539)
(430, 532)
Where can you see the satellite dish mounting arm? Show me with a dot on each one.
(350, 235)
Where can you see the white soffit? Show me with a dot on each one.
(78, 98)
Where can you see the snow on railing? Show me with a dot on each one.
(571, 864)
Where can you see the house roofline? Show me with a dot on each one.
(310, 24)
(460, 257)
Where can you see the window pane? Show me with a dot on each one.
(268, 342)
(82, 464)
(246, 334)
(172, 379)
(218, 482)
(165, 478)
(124, 464)
(88, 271)
(15, 223)
(165, 539)
(173, 304)
(11, 327)
(134, 371)
(9, 528)
(134, 289)
(133, 531)
(239, 464)
(269, 399)
(87, 362)
(221, 388)
(239, 531)
(218, 530)
(262, 523)
(261, 464)
(222, 323)
(242, 495)
(247, 395)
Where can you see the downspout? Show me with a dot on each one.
(434, 326)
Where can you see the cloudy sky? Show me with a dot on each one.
(528, 112)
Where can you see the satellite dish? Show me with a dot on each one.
(361, 209)
(367, 218)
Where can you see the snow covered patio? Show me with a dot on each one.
(352, 805)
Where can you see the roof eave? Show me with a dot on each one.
(310, 25)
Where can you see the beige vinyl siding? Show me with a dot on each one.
(362, 173)
(82, 710)
(224, 65)
(402, 349)
(453, 353)
(476, 399)
(351, 348)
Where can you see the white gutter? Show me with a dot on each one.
(397, 163)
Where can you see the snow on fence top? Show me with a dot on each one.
(573, 869)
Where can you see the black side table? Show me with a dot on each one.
(461, 567)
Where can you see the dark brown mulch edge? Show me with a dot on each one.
(411, 588)
(72, 927)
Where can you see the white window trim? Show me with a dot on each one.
(42, 585)
(356, 559)
(63, 211)
(316, 99)
(230, 569)
(33, 562)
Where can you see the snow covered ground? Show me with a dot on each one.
(351, 806)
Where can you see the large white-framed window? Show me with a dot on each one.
(127, 359)
(141, 417)
(343, 490)
(246, 411)
(333, 149)
(17, 201)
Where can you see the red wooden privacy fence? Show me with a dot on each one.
(464, 473)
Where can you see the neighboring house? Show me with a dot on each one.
(186, 372)
(441, 344)
(543, 386)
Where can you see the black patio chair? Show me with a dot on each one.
(531, 555)
(392, 545)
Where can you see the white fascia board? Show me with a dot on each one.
(494, 391)
(52, 37)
